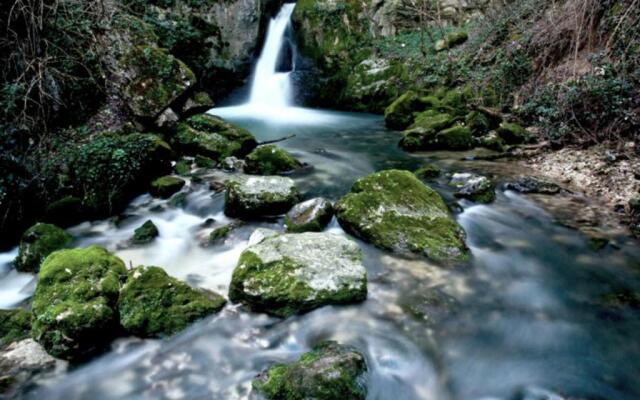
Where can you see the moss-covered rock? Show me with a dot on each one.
(14, 325)
(153, 304)
(433, 131)
(260, 196)
(476, 188)
(399, 114)
(145, 233)
(432, 121)
(164, 187)
(74, 305)
(285, 274)
(492, 141)
(270, 160)
(478, 123)
(428, 171)
(458, 137)
(373, 84)
(182, 167)
(530, 184)
(213, 137)
(395, 211)
(204, 162)
(37, 243)
(222, 232)
(309, 216)
(455, 101)
(157, 79)
(328, 372)
(513, 133)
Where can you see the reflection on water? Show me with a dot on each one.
(532, 309)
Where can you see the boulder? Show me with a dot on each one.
(478, 123)
(285, 274)
(399, 114)
(14, 325)
(204, 162)
(513, 133)
(145, 233)
(166, 186)
(74, 305)
(395, 211)
(476, 188)
(309, 216)
(198, 103)
(529, 184)
(458, 137)
(329, 371)
(260, 196)
(421, 135)
(270, 160)
(233, 164)
(213, 137)
(492, 141)
(221, 232)
(153, 304)
(37, 243)
(428, 171)
(22, 362)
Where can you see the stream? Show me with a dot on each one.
(536, 314)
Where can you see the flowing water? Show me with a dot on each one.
(536, 312)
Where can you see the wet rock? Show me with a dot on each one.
(330, 371)
(513, 133)
(260, 196)
(182, 167)
(74, 305)
(204, 162)
(14, 325)
(476, 188)
(285, 274)
(232, 164)
(309, 216)
(168, 119)
(395, 211)
(166, 186)
(213, 137)
(153, 304)
(270, 160)
(19, 362)
(529, 184)
(145, 233)
(399, 114)
(37, 243)
(178, 200)
(428, 171)
(221, 232)
(198, 103)
(433, 130)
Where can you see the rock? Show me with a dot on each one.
(456, 38)
(198, 103)
(66, 211)
(260, 196)
(182, 167)
(74, 305)
(372, 84)
(399, 115)
(473, 187)
(291, 273)
(233, 164)
(213, 137)
(330, 371)
(395, 211)
(513, 133)
(166, 186)
(421, 135)
(221, 232)
(478, 123)
(157, 78)
(14, 325)
(204, 162)
(270, 160)
(529, 184)
(178, 200)
(261, 234)
(309, 216)
(428, 171)
(168, 119)
(37, 243)
(455, 101)
(457, 137)
(153, 304)
(19, 362)
(145, 233)
(493, 142)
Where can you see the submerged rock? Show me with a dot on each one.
(74, 305)
(153, 304)
(213, 137)
(260, 196)
(145, 233)
(37, 243)
(395, 211)
(166, 186)
(270, 160)
(428, 171)
(14, 325)
(529, 184)
(473, 187)
(328, 372)
(285, 274)
(311, 215)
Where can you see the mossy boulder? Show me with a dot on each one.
(37, 243)
(74, 305)
(221, 232)
(166, 186)
(14, 325)
(182, 167)
(452, 40)
(478, 123)
(492, 141)
(260, 196)
(157, 80)
(309, 216)
(153, 304)
(329, 371)
(213, 137)
(428, 171)
(204, 162)
(455, 101)
(458, 137)
(395, 211)
(473, 187)
(145, 233)
(513, 133)
(270, 160)
(285, 274)
(399, 114)
(429, 133)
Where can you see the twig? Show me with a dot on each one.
(276, 140)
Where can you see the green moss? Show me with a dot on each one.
(164, 187)
(182, 167)
(429, 171)
(221, 232)
(432, 120)
(270, 160)
(399, 114)
(456, 38)
(478, 123)
(455, 101)
(492, 142)
(243, 202)
(311, 216)
(329, 371)
(513, 133)
(37, 243)
(204, 162)
(457, 137)
(74, 312)
(395, 211)
(153, 304)
(14, 325)
(145, 233)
